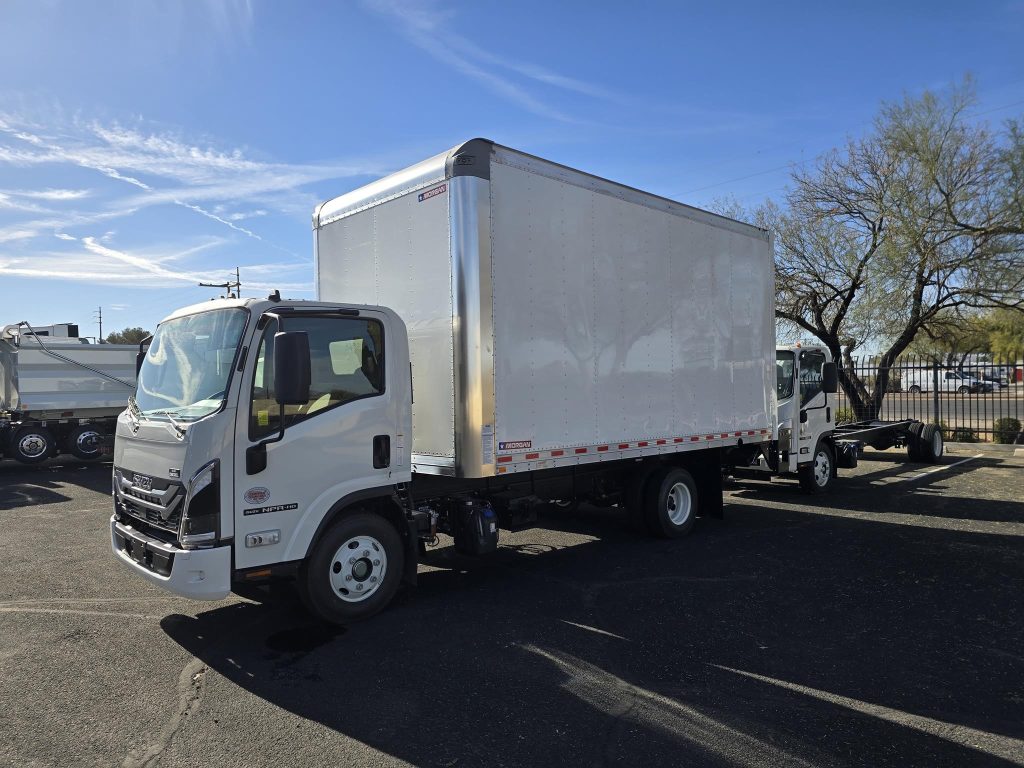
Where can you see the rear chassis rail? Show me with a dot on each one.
(870, 431)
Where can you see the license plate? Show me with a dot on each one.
(138, 551)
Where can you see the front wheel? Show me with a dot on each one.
(670, 504)
(963, 391)
(816, 476)
(354, 570)
(31, 445)
(914, 390)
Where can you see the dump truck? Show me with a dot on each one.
(59, 393)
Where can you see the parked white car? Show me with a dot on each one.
(949, 381)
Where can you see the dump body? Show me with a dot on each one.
(51, 378)
(555, 317)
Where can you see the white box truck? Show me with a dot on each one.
(492, 332)
(59, 393)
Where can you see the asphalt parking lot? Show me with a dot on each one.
(880, 625)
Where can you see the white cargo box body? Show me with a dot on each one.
(555, 317)
(54, 380)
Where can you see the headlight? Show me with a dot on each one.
(200, 521)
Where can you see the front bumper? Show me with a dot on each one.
(199, 574)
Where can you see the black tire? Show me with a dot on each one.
(963, 391)
(930, 444)
(328, 581)
(670, 503)
(83, 443)
(816, 476)
(635, 493)
(914, 441)
(914, 390)
(31, 445)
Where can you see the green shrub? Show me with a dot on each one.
(964, 435)
(844, 415)
(1005, 430)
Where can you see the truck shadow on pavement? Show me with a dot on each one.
(772, 637)
(25, 486)
(920, 490)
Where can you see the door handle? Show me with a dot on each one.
(381, 451)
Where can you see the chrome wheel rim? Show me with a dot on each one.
(358, 568)
(822, 469)
(86, 442)
(678, 504)
(32, 445)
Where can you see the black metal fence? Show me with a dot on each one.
(972, 400)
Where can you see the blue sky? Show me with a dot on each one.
(146, 145)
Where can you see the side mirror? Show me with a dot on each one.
(803, 417)
(291, 367)
(141, 354)
(829, 378)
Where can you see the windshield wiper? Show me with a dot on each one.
(181, 430)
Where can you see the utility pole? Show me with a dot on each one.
(99, 317)
(233, 287)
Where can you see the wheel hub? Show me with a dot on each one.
(678, 503)
(358, 568)
(822, 469)
(86, 442)
(32, 445)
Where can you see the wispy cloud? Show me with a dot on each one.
(429, 27)
(57, 231)
(92, 261)
(162, 169)
(47, 194)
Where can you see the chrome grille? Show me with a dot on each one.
(158, 505)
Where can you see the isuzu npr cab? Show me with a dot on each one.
(492, 332)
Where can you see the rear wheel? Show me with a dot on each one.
(670, 503)
(914, 441)
(816, 476)
(83, 443)
(930, 444)
(354, 570)
(31, 445)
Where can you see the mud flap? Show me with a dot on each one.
(412, 553)
(707, 474)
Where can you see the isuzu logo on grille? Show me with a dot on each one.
(142, 482)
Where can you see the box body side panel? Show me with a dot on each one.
(616, 322)
(396, 254)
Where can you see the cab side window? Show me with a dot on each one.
(346, 364)
(811, 364)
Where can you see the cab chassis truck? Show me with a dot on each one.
(492, 332)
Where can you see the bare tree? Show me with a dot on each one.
(899, 232)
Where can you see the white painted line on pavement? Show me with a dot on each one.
(594, 629)
(939, 469)
(997, 745)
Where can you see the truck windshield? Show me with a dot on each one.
(784, 374)
(186, 370)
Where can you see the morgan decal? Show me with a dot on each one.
(257, 496)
